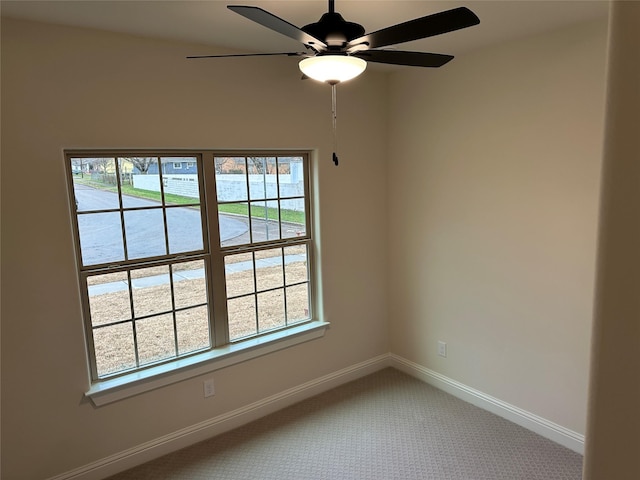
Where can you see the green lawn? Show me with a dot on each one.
(86, 180)
(289, 216)
(169, 198)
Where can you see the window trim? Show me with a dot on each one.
(117, 387)
(141, 381)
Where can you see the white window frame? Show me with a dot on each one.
(222, 353)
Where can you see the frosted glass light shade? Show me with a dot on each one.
(332, 68)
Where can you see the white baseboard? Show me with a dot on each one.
(209, 428)
(528, 420)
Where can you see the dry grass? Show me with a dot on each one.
(155, 338)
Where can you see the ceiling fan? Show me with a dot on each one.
(338, 50)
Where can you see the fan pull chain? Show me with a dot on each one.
(334, 118)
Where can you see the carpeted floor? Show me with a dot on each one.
(385, 426)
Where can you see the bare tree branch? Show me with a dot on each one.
(142, 163)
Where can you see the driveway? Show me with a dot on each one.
(101, 237)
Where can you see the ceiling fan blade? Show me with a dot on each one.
(395, 57)
(288, 54)
(422, 27)
(279, 25)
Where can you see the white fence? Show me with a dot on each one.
(230, 187)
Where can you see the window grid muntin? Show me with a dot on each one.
(122, 224)
(116, 157)
(128, 264)
(209, 230)
(163, 208)
(144, 317)
(254, 246)
(133, 318)
(171, 263)
(281, 244)
(284, 274)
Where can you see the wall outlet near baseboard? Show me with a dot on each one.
(209, 389)
(442, 349)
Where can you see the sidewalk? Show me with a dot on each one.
(156, 280)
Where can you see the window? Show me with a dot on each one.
(191, 267)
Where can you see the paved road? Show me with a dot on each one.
(101, 237)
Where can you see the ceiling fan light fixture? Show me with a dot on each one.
(332, 68)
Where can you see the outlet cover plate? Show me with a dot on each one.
(442, 349)
(209, 389)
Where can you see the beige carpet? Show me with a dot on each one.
(385, 426)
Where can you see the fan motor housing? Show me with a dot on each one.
(334, 30)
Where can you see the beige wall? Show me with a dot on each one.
(480, 223)
(613, 444)
(74, 88)
(493, 200)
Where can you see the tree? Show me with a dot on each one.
(224, 164)
(142, 163)
(102, 169)
(258, 164)
(100, 165)
(77, 166)
(261, 165)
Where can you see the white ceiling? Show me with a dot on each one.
(211, 23)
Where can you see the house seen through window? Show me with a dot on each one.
(180, 254)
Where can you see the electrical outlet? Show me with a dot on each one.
(442, 349)
(209, 390)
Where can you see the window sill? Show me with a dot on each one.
(113, 390)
